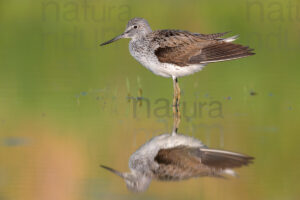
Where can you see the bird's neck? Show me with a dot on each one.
(147, 30)
(140, 37)
(142, 34)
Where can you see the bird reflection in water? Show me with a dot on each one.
(175, 157)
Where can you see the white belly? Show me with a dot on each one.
(149, 60)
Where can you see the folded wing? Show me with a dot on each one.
(183, 48)
(184, 162)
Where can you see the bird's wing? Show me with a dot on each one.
(183, 48)
(184, 162)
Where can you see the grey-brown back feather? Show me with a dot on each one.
(183, 48)
(184, 162)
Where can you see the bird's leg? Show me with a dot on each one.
(174, 95)
(176, 123)
(178, 94)
(176, 112)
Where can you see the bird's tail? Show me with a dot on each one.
(224, 159)
(222, 51)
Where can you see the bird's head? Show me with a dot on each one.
(135, 182)
(136, 27)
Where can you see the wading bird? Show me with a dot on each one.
(176, 53)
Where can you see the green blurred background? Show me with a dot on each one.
(68, 105)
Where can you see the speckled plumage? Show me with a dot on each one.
(179, 53)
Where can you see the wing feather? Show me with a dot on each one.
(183, 48)
(184, 162)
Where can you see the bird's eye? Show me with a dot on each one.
(135, 27)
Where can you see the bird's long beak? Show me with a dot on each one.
(113, 40)
(113, 171)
